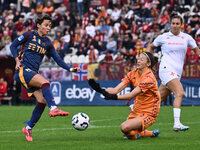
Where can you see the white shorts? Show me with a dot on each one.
(165, 77)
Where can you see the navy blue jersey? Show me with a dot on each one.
(33, 49)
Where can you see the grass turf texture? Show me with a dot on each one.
(103, 133)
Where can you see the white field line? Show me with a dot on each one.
(92, 126)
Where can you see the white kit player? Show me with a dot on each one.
(173, 47)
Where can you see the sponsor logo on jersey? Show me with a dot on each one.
(20, 37)
(28, 70)
(34, 38)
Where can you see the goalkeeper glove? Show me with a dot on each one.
(109, 96)
(95, 85)
(97, 88)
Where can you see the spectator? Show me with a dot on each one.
(92, 14)
(80, 7)
(31, 15)
(100, 35)
(127, 43)
(39, 8)
(123, 26)
(147, 42)
(29, 23)
(17, 16)
(3, 88)
(103, 27)
(56, 18)
(14, 90)
(105, 65)
(57, 3)
(133, 27)
(164, 19)
(111, 45)
(69, 20)
(62, 9)
(66, 37)
(93, 54)
(49, 8)
(82, 48)
(63, 48)
(10, 15)
(136, 7)
(115, 14)
(5, 38)
(195, 19)
(90, 29)
(102, 13)
(192, 57)
(146, 26)
(72, 6)
(19, 25)
(139, 48)
(12, 7)
(6, 49)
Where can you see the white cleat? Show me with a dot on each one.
(180, 127)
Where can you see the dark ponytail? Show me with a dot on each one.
(175, 16)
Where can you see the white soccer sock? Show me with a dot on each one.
(28, 128)
(177, 114)
(53, 107)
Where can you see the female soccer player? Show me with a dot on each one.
(173, 46)
(34, 45)
(147, 98)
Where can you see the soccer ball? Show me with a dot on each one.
(80, 121)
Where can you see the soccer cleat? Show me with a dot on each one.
(138, 136)
(57, 112)
(155, 133)
(180, 127)
(28, 134)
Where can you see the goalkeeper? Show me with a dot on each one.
(147, 98)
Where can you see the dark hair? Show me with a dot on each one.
(41, 18)
(150, 58)
(175, 16)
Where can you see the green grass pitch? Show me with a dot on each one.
(103, 133)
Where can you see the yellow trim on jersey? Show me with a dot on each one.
(21, 77)
(30, 94)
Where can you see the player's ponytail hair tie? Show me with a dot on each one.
(151, 59)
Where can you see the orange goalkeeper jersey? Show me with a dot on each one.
(149, 100)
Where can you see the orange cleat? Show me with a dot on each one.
(57, 112)
(28, 134)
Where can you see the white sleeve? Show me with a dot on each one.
(191, 42)
(158, 41)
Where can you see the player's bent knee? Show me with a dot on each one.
(124, 128)
(179, 94)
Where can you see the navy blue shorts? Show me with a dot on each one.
(24, 76)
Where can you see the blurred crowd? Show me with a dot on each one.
(123, 29)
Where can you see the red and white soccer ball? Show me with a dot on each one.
(80, 121)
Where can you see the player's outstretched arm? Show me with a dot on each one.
(60, 62)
